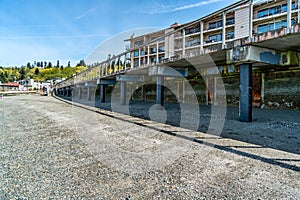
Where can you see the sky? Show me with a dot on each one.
(65, 30)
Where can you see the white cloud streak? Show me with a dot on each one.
(202, 3)
(86, 14)
(55, 37)
(160, 8)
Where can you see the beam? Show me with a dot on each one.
(252, 54)
(245, 110)
(168, 71)
(130, 78)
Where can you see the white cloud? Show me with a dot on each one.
(159, 8)
(202, 3)
(90, 12)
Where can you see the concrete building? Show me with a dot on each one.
(247, 43)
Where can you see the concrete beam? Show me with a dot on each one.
(106, 82)
(253, 54)
(167, 71)
(130, 78)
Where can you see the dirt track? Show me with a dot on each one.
(50, 149)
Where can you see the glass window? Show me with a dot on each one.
(272, 26)
(277, 25)
(215, 38)
(263, 13)
(263, 28)
(161, 49)
(136, 53)
(153, 50)
(275, 10)
(283, 24)
(217, 24)
(230, 35)
(294, 6)
(229, 21)
(284, 8)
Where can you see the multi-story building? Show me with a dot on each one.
(242, 23)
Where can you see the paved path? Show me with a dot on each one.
(51, 149)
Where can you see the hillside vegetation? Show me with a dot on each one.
(10, 74)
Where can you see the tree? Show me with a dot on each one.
(37, 71)
(69, 64)
(45, 64)
(38, 64)
(42, 65)
(57, 65)
(28, 65)
(61, 67)
(49, 65)
(23, 73)
(81, 63)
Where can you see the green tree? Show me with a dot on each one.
(57, 65)
(37, 71)
(23, 73)
(28, 65)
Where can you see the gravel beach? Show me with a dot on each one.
(50, 149)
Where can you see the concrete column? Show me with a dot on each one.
(160, 90)
(89, 93)
(139, 57)
(79, 93)
(298, 11)
(245, 110)
(215, 91)
(148, 55)
(65, 92)
(201, 37)
(289, 15)
(102, 93)
(207, 92)
(123, 93)
(250, 20)
(224, 31)
(262, 89)
(157, 57)
(73, 92)
(183, 43)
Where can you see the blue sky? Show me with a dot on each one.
(51, 30)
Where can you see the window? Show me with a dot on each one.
(153, 60)
(193, 42)
(215, 38)
(229, 21)
(136, 54)
(275, 10)
(192, 30)
(213, 25)
(161, 49)
(153, 50)
(263, 28)
(294, 6)
(263, 13)
(284, 8)
(230, 35)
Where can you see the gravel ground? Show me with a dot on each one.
(53, 150)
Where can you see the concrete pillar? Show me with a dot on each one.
(102, 93)
(245, 110)
(79, 93)
(123, 93)
(207, 92)
(73, 92)
(89, 93)
(289, 15)
(224, 31)
(201, 37)
(160, 90)
(262, 89)
(65, 92)
(250, 20)
(215, 91)
(183, 42)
